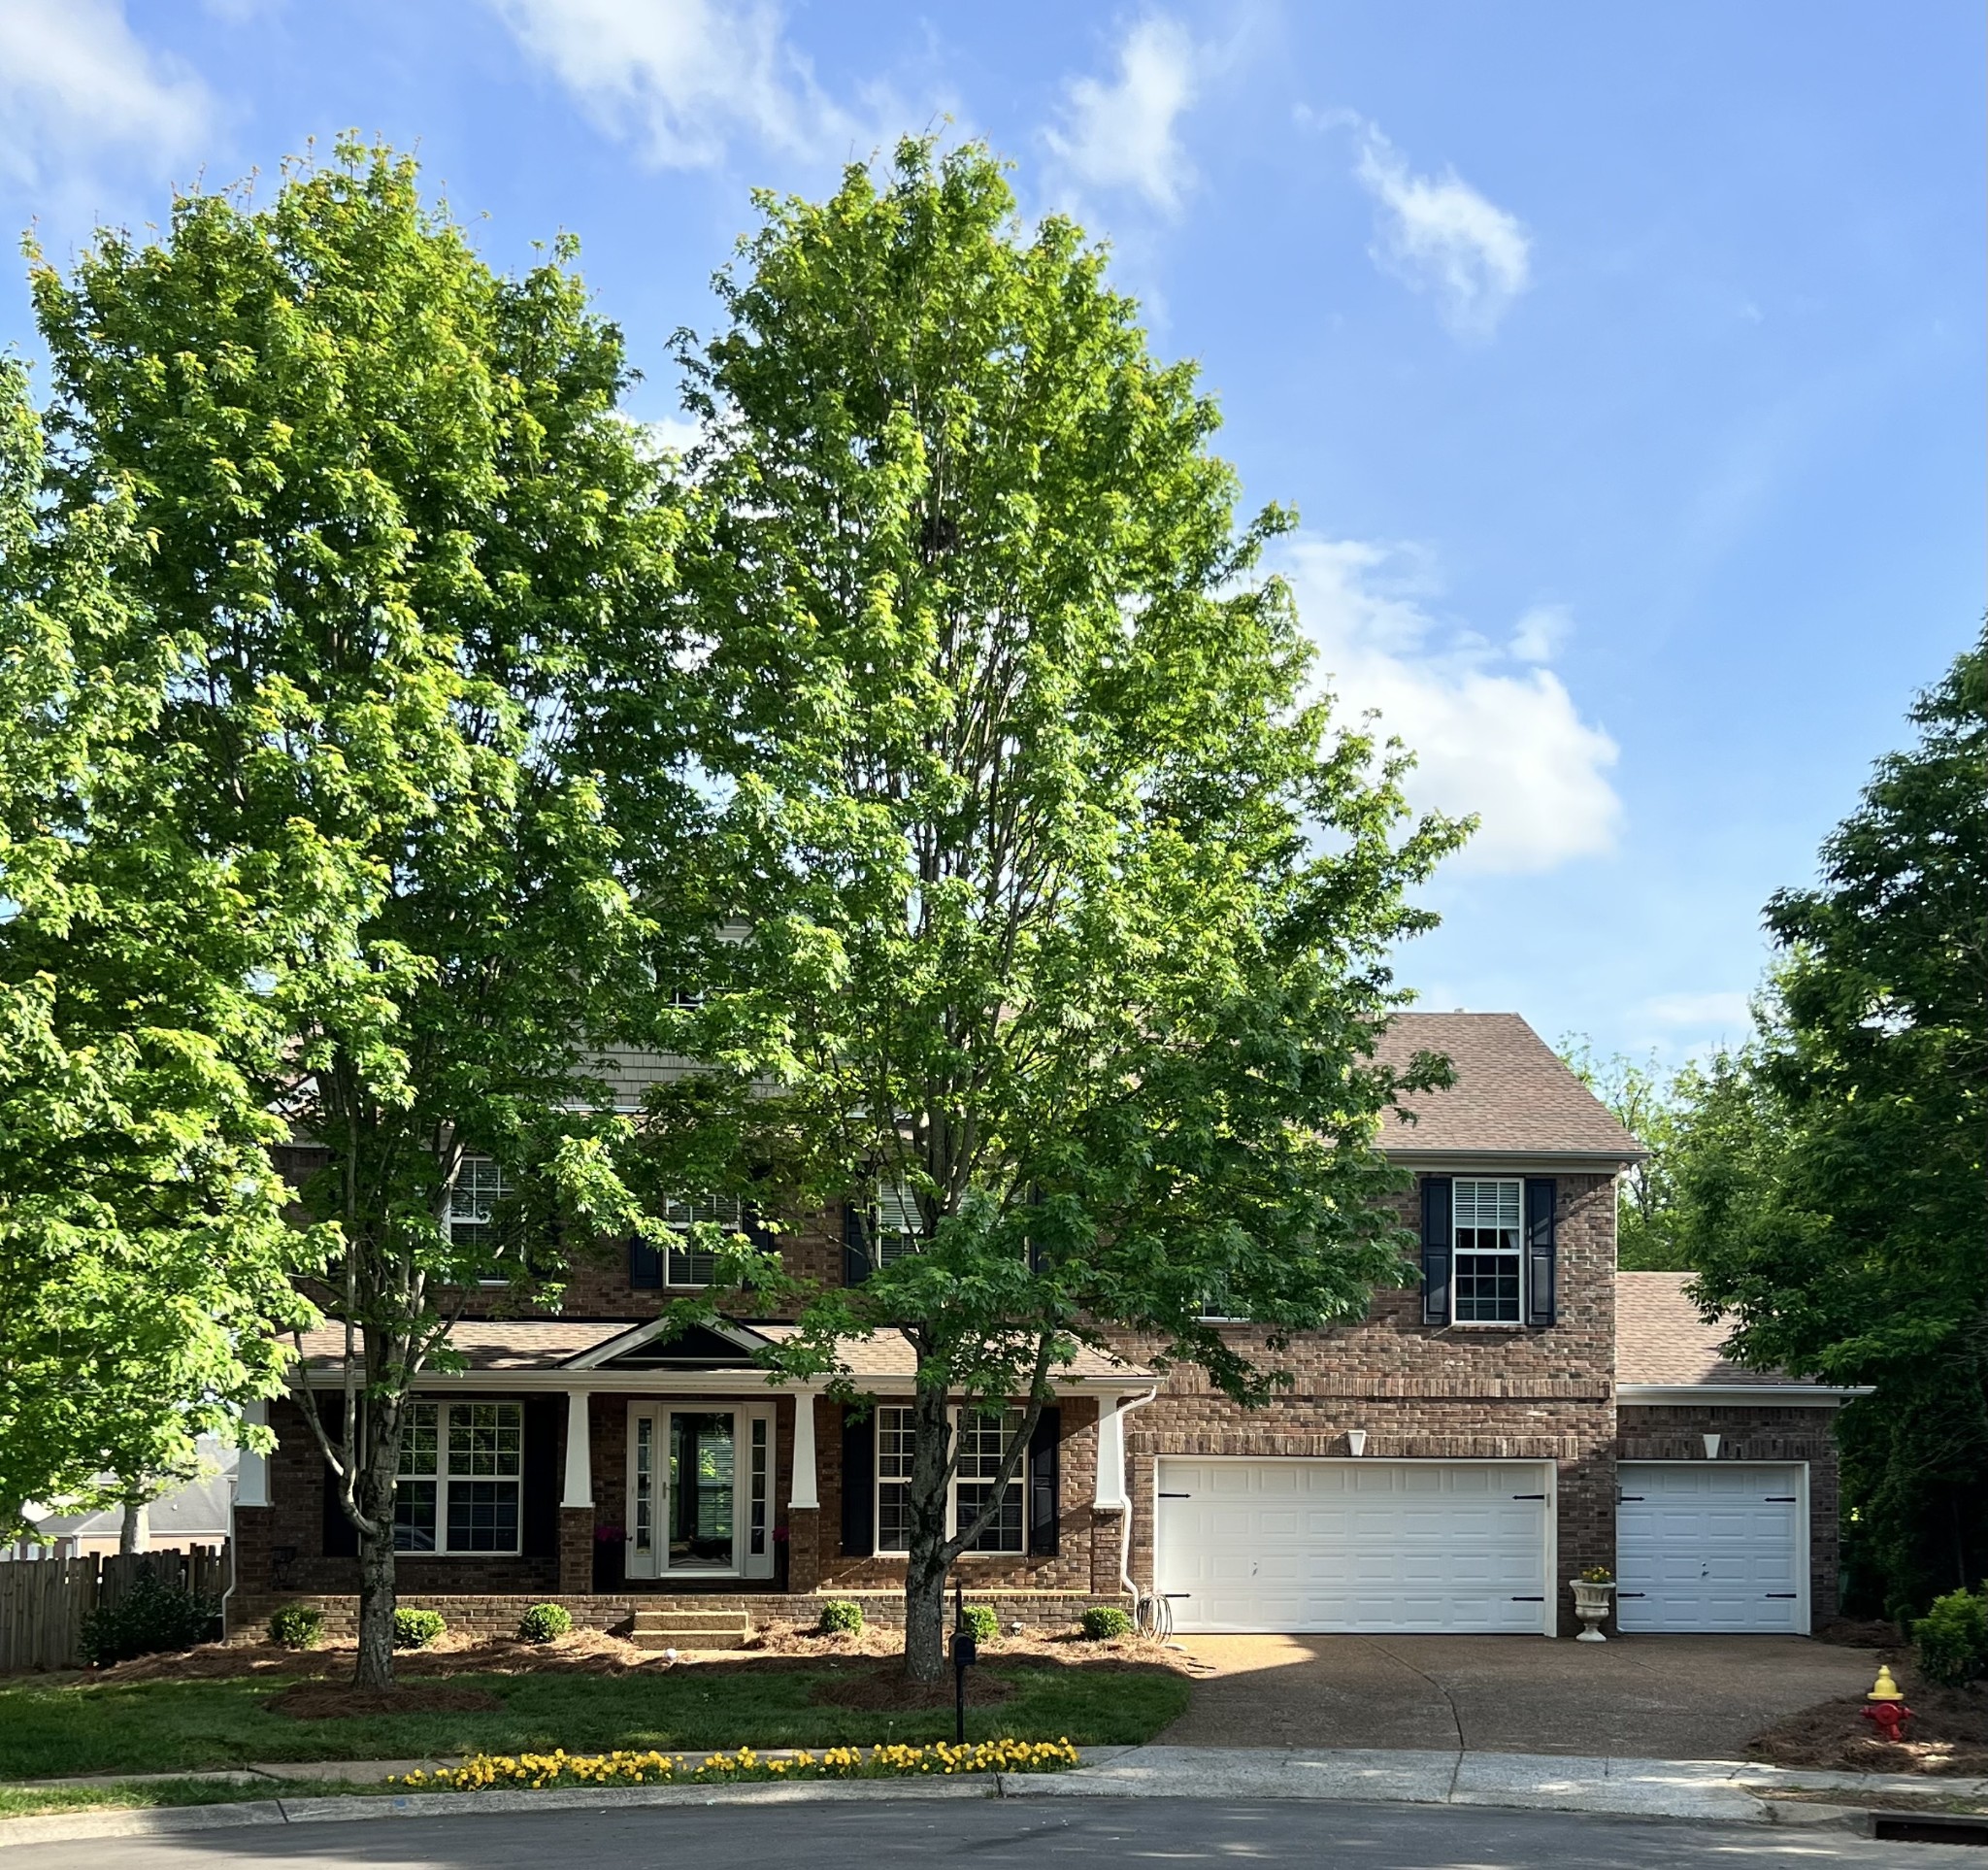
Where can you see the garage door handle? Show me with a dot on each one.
(1177, 1497)
(1632, 1593)
(1784, 1593)
(1624, 1500)
(1172, 1595)
(1781, 1499)
(1527, 1496)
(1528, 1600)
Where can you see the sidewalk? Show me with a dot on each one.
(1718, 1790)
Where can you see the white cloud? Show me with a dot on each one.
(1730, 1013)
(75, 81)
(1490, 735)
(1121, 134)
(677, 433)
(684, 78)
(1438, 234)
(1540, 631)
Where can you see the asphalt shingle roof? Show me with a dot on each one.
(1513, 1095)
(1660, 1338)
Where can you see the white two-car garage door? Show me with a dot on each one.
(1301, 1545)
(1712, 1546)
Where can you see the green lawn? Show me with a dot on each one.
(169, 1726)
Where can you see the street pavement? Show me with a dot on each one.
(990, 1834)
(1661, 1697)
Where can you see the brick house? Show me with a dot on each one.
(1444, 1464)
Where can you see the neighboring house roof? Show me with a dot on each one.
(1664, 1347)
(544, 1346)
(1513, 1097)
(196, 1510)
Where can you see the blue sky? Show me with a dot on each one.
(1625, 364)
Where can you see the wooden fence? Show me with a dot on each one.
(43, 1601)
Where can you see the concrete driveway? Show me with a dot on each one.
(1651, 1697)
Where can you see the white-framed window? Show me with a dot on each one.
(1488, 1269)
(480, 1184)
(689, 1265)
(1218, 1308)
(984, 1436)
(460, 1477)
(897, 1223)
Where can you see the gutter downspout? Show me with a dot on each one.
(234, 1559)
(1125, 1521)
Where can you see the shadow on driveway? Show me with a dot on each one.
(1648, 1697)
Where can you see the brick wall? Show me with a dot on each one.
(1754, 1434)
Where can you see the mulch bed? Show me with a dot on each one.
(1949, 1736)
(882, 1687)
(332, 1701)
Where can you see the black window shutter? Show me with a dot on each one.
(855, 1242)
(1045, 1483)
(541, 1476)
(859, 1490)
(645, 1264)
(754, 1226)
(341, 1535)
(1437, 1238)
(1542, 1195)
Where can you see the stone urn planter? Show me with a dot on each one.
(1592, 1601)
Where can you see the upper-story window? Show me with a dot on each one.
(897, 1225)
(685, 1264)
(1490, 1265)
(690, 1265)
(480, 1184)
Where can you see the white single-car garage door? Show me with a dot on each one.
(1301, 1545)
(1712, 1546)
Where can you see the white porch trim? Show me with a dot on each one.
(805, 1490)
(579, 1473)
(251, 1467)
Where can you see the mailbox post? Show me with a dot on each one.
(966, 1652)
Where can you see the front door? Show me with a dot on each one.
(699, 1490)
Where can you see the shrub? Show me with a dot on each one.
(544, 1623)
(1953, 1639)
(1102, 1622)
(152, 1615)
(840, 1618)
(981, 1622)
(297, 1627)
(416, 1630)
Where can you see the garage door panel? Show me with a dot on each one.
(1387, 1547)
(1716, 1546)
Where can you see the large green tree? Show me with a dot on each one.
(1830, 1191)
(410, 558)
(1061, 912)
(144, 1260)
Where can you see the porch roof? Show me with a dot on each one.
(594, 1347)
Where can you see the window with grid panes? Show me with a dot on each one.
(983, 1438)
(689, 1265)
(898, 1222)
(1489, 1267)
(480, 1184)
(893, 1479)
(461, 1471)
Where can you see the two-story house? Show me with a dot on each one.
(1521, 1411)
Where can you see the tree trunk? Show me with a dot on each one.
(374, 1497)
(929, 1561)
(128, 1530)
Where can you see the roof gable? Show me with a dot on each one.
(1513, 1097)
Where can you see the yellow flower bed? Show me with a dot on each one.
(482, 1771)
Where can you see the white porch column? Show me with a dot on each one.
(252, 1468)
(804, 1491)
(1110, 1492)
(580, 1464)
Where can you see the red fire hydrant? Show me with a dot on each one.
(1887, 1711)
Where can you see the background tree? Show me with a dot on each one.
(1645, 1101)
(1067, 914)
(409, 556)
(143, 1258)
(1831, 1192)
